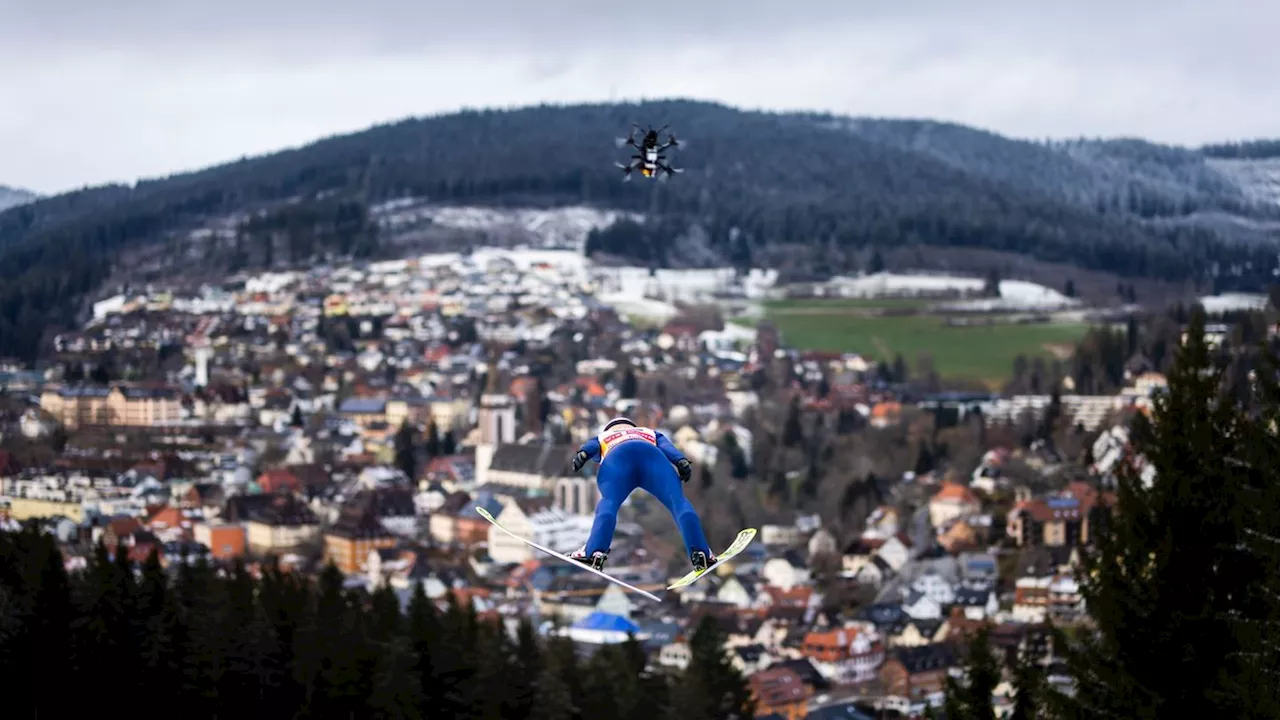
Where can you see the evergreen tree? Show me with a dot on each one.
(972, 699)
(630, 386)
(1028, 688)
(160, 643)
(899, 372)
(200, 599)
(448, 445)
(295, 418)
(555, 697)
(1170, 571)
(249, 647)
(711, 689)
(225, 643)
(424, 635)
(406, 449)
(522, 683)
(792, 431)
(433, 439)
(285, 599)
(1258, 684)
(104, 645)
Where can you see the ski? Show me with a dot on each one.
(739, 544)
(485, 514)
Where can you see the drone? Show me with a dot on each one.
(649, 160)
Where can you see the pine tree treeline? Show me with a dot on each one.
(205, 642)
(1183, 586)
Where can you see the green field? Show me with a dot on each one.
(982, 353)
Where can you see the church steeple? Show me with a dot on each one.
(497, 409)
(491, 376)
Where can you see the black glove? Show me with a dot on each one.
(580, 459)
(685, 469)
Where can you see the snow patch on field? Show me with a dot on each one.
(1233, 302)
(1014, 294)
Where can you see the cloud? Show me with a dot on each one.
(98, 92)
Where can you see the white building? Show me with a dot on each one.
(552, 528)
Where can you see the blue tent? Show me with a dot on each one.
(607, 623)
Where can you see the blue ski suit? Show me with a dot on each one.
(637, 457)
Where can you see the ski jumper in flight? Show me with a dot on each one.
(633, 457)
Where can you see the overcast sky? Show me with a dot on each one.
(93, 92)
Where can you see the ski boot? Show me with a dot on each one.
(596, 560)
(702, 560)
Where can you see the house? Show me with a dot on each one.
(977, 566)
(780, 691)
(875, 573)
(895, 551)
(882, 523)
(914, 632)
(458, 522)
(886, 414)
(845, 655)
(920, 606)
(282, 524)
(748, 659)
(977, 599)
(742, 592)
(279, 480)
(917, 672)
(393, 507)
(536, 466)
(885, 616)
(772, 535)
(365, 412)
(169, 524)
(118, 405)
(675, 655)
(548, 526)
(1037, 599)
(857, 554)
(785, 572)
(822, 542)
(936, 587)
(952, 502)
(804, 668)
(357, 532)
(225, 542)
(961, 536)
(1064, 519)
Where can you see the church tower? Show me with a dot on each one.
(497, 421)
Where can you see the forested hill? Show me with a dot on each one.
(757, 187)
(12, 197)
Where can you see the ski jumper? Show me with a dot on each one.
(637, 457)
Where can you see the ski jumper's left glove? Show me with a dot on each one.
(685, 469)
(580, 459)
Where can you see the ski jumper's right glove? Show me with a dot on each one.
(580, 459)
(685, 469)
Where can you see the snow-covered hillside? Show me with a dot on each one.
(565, 227)
(1014, 294)
(1258, 178)
(13, 197)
